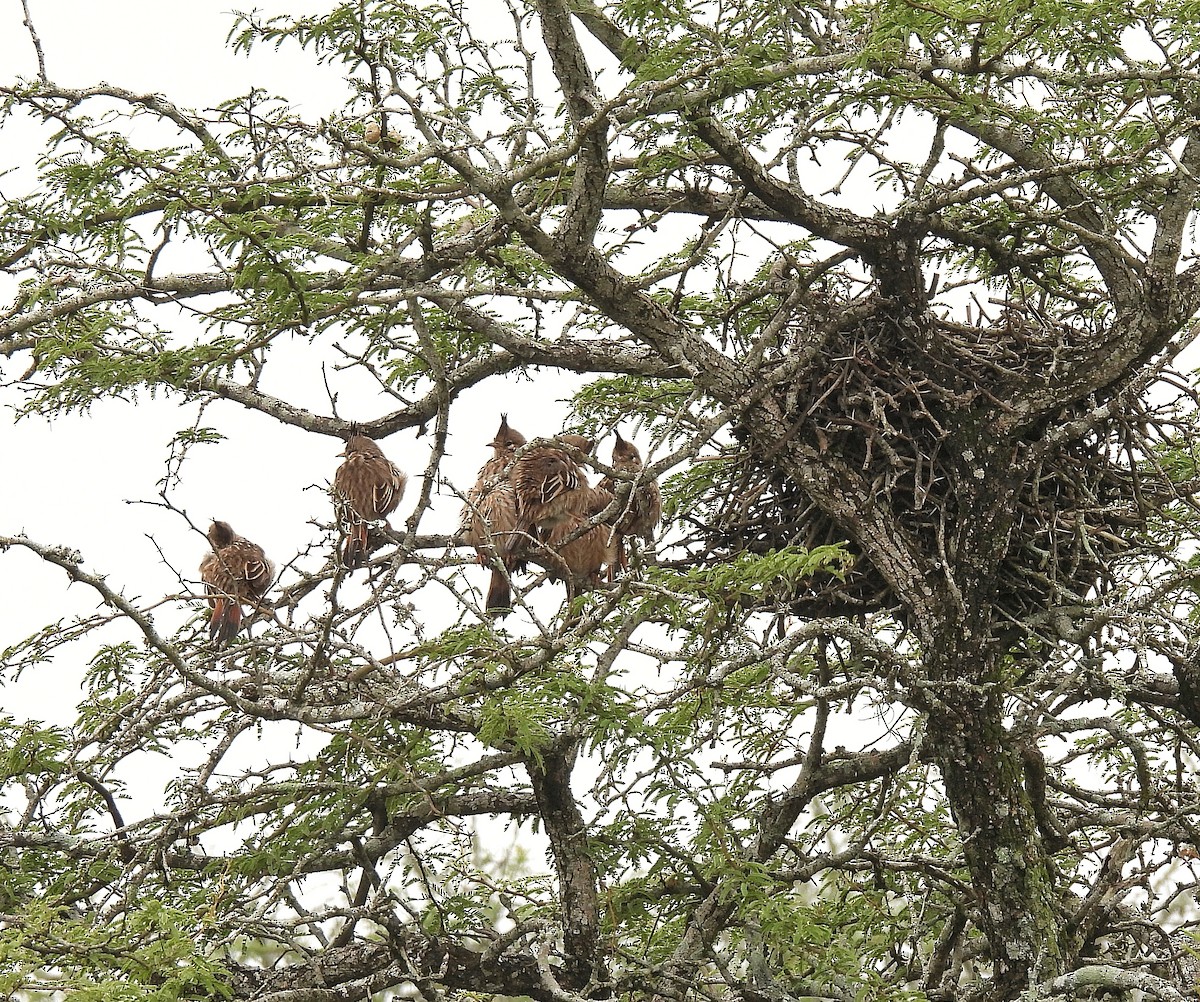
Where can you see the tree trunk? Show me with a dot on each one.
(981, 764)
(1003, 847)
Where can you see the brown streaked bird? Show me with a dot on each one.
(554, 501)
(641, 514)
(489, 516)
(236, 571)
(578, 557)
(580, 442)
(367, 487)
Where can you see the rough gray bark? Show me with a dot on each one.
(450, 258)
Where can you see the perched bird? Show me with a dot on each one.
(578, 553)
(554, 504)
(236, 571)
(551, 486)
(489, 516)
(375, 135)
(367, 487)
(641, 514)
(580, 442)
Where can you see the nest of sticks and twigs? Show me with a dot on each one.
(895, 400)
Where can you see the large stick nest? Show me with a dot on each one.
(895, 400)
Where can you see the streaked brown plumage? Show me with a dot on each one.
(367, 487)
(489, 516)
(580, 559)
(236, 571)
(643, 510)
(554, 501)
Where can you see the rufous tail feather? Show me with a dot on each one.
(499, 596)
(356, 545)
(226, 621)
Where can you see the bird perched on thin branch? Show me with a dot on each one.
(642, 512)
(489, 516)
(236, 571)
(579, 552)
(554, 504)
(367, 487)
(551, 485)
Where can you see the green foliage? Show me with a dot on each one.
(29, 750)
(151, 956)
(750, 575)
(703, 220)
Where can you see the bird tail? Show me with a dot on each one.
(356, 545)
(499, 596)
(226, 621)
(621, 560)
(514, 548)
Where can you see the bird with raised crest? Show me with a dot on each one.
(489, 515)
(641, 513)
(367, 487)
(237, 571)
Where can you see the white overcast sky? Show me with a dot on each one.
(82, 482)
(74, 481)
(79, 476)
